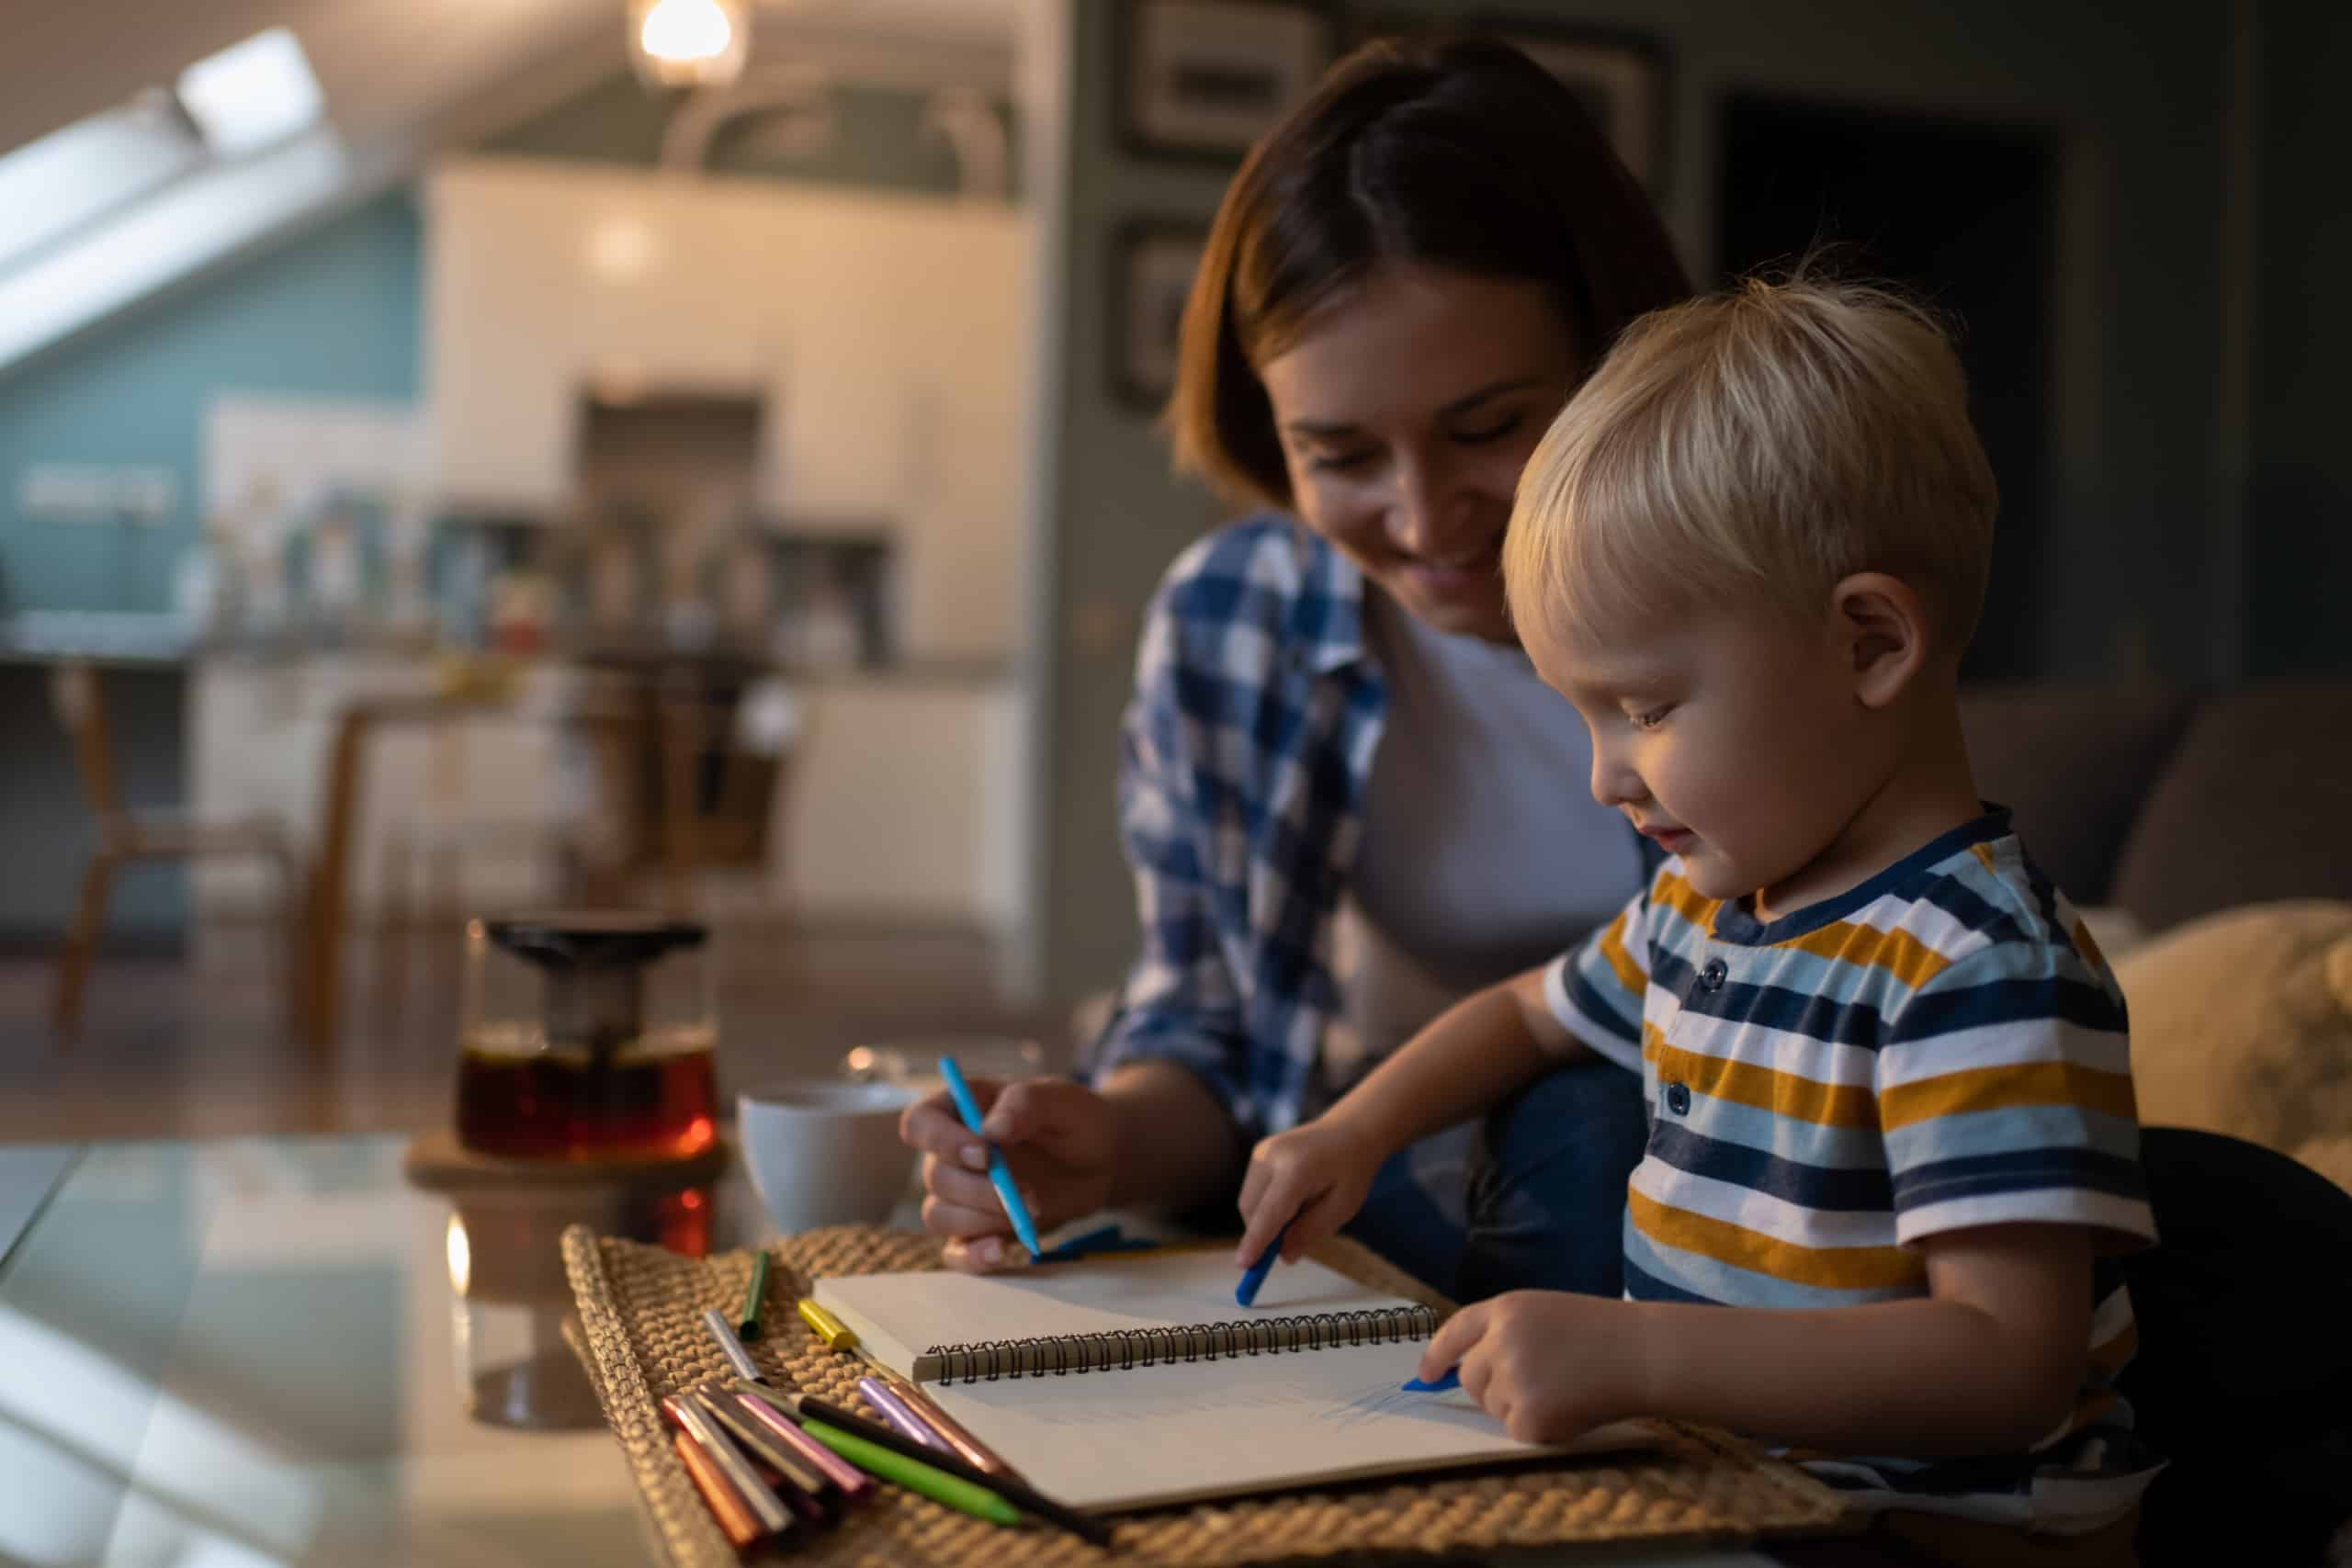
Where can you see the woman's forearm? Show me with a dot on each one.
(1178, 1146)
(1473, 1055)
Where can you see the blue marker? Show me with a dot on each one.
(1246, 1293)
(1007, 1192)
(1446, 1384)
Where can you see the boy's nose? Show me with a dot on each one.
(1613, 783)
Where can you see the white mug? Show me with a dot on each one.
(823, 1152)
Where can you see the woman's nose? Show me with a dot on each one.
(1430, 509)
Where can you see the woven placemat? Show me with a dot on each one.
(641, 1336)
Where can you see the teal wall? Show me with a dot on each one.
(334, 312)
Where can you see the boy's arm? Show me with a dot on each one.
(1471, 1056)
(1990, 1364)
(1303, 1184)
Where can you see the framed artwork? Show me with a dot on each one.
(1206, 78)
(1153, 262)
(1620, 77)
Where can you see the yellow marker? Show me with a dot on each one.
(836, 1334)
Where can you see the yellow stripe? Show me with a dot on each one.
(2086, 947)
(2006, 1088)
(1984, 853)
(1747, 1083)
(1830, 1267)
(1630, 975)
(1688, 902)
(1901, 954)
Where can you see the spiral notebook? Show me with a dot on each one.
(1134, 1381)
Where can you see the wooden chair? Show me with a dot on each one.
(715, 799)
(126, 835)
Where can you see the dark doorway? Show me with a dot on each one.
(1965, 215)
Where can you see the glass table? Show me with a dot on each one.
(276, 1350)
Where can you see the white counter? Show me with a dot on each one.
(903, 801)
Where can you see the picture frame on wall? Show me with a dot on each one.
(1620, 77)
(1204, 79)
(1153, 262)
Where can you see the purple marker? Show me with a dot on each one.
(854, 1482)
(896, 1411)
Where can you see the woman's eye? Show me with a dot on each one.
(1653, 719)
(1337, 462)
(1485, 433)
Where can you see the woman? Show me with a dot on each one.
(1346, 798)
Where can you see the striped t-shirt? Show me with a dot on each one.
(1941, 1047)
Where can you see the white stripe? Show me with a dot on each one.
(1930, 925)
(2003, 1046)
(2053, 1205)
(1760, 1211)
(2113, 1314)
(1783, 1051)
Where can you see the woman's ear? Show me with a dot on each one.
(1883, 627)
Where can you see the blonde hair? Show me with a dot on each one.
(1756, 446)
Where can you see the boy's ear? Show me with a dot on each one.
(1883, 627)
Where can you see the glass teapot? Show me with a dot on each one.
(587, 1036)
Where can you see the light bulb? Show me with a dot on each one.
(681, 30)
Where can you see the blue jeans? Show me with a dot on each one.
(1531, 1197)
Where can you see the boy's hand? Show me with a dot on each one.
(1313, 1178)
(1547, 1364)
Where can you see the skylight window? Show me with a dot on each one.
(247, 100)
(52, 187)
(251, 94)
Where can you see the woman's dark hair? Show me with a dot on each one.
(1454, 152)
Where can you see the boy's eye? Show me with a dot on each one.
(1652, 719)
(1337, 462)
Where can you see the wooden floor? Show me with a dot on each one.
(195, 1047)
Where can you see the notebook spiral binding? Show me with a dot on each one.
(1125, 1350)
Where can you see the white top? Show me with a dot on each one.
(1483, 853)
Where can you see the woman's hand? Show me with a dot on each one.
(1312, 1178)
(1547, 1364)
(1059, 1138)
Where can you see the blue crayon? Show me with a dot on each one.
(1246, 1293)
(1008, 1192)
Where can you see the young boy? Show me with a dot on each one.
(1890, 1095)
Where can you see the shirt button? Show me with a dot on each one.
(1678, 1099)
(1711, 978)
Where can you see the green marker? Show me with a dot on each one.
(914, 1475)
(747, 1326)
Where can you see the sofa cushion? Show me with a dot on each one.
(2255, 806)
(2074, 764)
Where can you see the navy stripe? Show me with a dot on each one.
(1645, 1286)
(1600, 1010)
(2028, 1000)
(1735, 923)
(2024, 1170)
(1792, 1181)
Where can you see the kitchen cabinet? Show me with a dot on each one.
(886, 336)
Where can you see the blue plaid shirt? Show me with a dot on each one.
(1246, 749)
